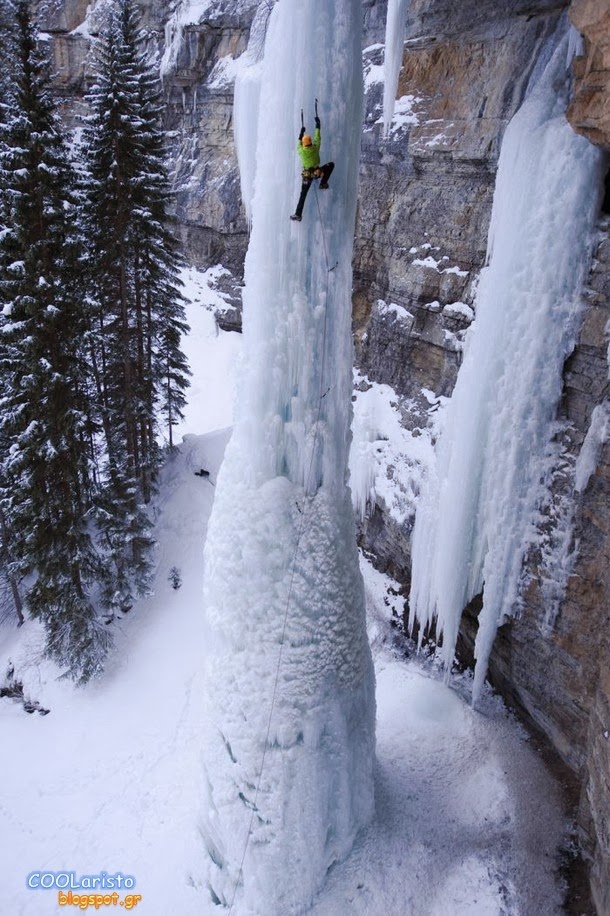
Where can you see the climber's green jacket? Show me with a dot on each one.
(310, 155)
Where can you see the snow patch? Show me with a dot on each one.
(186, 12)
(387, 461)
(225, 72)
(458, 310)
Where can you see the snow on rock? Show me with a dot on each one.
(403, 114)
(185, 13)
(373, 73)
(399, 311)
(394, 42)
(458, 310)
(212, 351)
(483, 491)
(387, 461)
(289, 673)
(224, 73)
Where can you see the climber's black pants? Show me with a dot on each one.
(309, 175)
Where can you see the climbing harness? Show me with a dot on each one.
(312, 174)
(302, 513)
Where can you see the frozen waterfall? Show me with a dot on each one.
(394, 46)
(281, 565)
(475, 515)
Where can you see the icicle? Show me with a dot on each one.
(472, 523)
(576, 45)
(394, 44)
(246, 104)
(597, 434)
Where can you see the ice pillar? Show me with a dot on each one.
(281, 566)
(475, 518)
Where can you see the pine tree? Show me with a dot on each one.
(138, 313)
(44, 377)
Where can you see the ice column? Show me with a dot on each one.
(476, 513)
(281, 564)
(246, 101)
(394, 45)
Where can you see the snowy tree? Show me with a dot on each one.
(137, 317)
(44, 378)
(136, 285)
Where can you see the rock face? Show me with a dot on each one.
(195, 58)
(424, 210)
(426, 196)
(558, 674)
(589, 113)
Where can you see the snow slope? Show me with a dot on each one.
(467, 821)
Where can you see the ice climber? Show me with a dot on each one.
(309, 153)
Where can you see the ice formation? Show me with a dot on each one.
(246, 102)
(394, 43)
(597, 434)
(281, 565)
(473, 520)
(185, 13)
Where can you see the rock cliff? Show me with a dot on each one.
(424, 210)
(589, 112)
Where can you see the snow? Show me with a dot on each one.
(466, 820)
(224, 72)
(463, 822)
(373, 73)
(429, 262)
(432, 263)
(110, 779)
(458, 310)
(399, 311)
(212, 391)
(387, 461)
(394, 42)
(186, 12)
(482, 493)
(403, 114)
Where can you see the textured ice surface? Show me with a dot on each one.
(472, 522)
(281, 567)
(394, 43)
(597, 434)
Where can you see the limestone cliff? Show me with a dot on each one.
(427, 189)
(424, 210)
(589, 112)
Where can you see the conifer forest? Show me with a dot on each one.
(92, 376)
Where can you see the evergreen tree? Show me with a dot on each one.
(138, 313)
(44, 377)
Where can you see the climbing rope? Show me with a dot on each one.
(294, 558)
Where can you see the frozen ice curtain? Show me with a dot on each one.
(281, 565)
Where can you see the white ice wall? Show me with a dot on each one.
(281, 565)
(475, 517)
(394, 47)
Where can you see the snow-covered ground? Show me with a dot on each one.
(467, 820)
